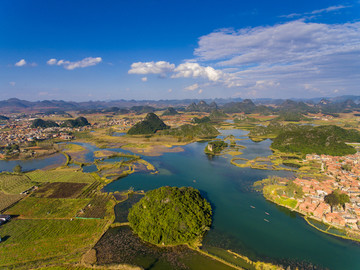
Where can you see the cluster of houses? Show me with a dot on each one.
(343, 174)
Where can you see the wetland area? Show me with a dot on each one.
(243, 220)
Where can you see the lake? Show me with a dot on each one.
(239, 212)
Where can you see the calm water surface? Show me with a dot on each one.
(33, 164)
(237, 225)
(239, 213)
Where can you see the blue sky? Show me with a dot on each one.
(107, 50)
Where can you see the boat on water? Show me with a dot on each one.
(252, 206)
(266, 220)
(267, 213)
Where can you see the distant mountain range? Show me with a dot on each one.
(206, 105)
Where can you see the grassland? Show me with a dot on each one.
(270, 193)
(73, 148)
(14, 183)
(31, 242)
(32, 207)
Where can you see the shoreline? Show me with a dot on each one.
(306, 217)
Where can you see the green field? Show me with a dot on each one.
(32, 207)
(60, 175)
(32, 242)
(14, 183)
(270, 193)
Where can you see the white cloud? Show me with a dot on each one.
(192, 87)
(188, 70)
(12, 83)
(170, 90)
(279, 44)
(144, 79)
(285, 56)
(52, 61)
(86, 62)
(200, 91)
(21, 63)
(160, 67)
(315, 12)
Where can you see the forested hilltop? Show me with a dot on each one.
(149, 125)
(306, 139)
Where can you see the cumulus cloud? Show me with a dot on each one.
(160, 67)
(51, 61)
(86, 62)
(192, 87)
(144, 79)
(21, 63)
(187, 70)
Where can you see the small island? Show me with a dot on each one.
(171, 216)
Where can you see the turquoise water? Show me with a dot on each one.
(239, 213)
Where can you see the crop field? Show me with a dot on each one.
(14, 183)
(32, 241)
(98, 207)
(60, 175)
(60, 190)
(7, 200)
(31, 207)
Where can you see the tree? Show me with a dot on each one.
(17, 169)
(343, 198)
(336, 198)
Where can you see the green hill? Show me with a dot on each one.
(43, 124)
(78, 122)
(329, 140)
(149, 125)
(197, 131)
(171, 216)
(170, 111)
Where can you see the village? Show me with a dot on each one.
(342, 175)
(17, 136)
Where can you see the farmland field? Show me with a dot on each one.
(14, 183)
(98, 207)
(60, 175)
(8, 199)
(32, 207)
(60, 190)
(32, 241)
